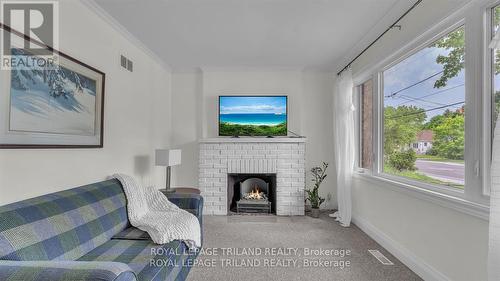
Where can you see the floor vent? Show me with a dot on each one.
(380, 257)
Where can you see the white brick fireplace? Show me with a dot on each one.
(284, 157)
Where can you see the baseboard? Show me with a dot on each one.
(415, 263)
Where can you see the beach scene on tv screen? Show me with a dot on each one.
(253, 116)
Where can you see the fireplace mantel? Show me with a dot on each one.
(253, 140)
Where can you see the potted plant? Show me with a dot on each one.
(319, 175)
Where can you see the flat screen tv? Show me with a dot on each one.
(253, 115)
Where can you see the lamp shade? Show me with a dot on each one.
(168, 157)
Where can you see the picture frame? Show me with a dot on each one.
(40, 108)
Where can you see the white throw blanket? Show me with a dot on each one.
(149, 210)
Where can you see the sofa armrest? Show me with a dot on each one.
(65, 271)
(190, 202)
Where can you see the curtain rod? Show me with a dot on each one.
(380, 36)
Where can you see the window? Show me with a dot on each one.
(432, 110)
(366, 124)
(424, 101)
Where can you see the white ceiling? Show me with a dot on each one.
(251, 33)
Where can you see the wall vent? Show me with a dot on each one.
(380, 257)
(130, 65)
(123, 61)
(126, 63)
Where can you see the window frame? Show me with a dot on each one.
(473, 199)
(488, 101)
(358, 96)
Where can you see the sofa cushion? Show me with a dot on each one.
(65, 271)
(63, 225)
(132, 233)
(149, 261)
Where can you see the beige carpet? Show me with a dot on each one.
(226, 238)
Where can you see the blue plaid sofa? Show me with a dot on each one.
(84, 234)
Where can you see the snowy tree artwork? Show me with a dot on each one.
(52, 101)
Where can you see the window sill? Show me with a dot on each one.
(459, 204)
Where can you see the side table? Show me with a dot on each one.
(182, 190)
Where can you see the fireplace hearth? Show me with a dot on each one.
(252, 193)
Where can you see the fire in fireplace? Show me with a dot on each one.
(251, 193)
(255, 194)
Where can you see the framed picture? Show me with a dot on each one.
(56, 107)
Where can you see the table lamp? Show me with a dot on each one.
(168, 158)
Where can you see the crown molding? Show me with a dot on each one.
(251, 69)
(109, 19)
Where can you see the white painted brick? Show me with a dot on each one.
(211, 199)
(233, 146)
(297, 184)
(246, 147)
(286, 171)
(272, 152)
(286, 160)
(258, 147)
(272, 146)
(252, 152)
(284, 146)
(233, 157)
(206, 165)
(213, 180)
(227, 152)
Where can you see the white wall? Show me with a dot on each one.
(437, 241)
(452, 243)
(250, 82)
(137, 117)
(195, 100)
(186, 125)
(317, 125)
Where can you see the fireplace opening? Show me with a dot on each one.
(252, 193)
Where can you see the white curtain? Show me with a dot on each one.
(344, 144)
(494, 231)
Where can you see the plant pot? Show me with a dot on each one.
(315, 212)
